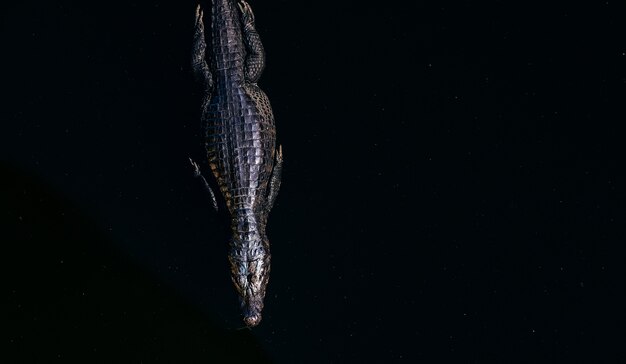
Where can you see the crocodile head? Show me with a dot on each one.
(250, 267)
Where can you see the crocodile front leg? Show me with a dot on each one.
(274, 184)
(197, 173)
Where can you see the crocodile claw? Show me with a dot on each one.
(246, 13)
(199, 14)
(196, 168)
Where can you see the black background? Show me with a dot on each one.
(452, 190)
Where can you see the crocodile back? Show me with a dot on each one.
(240, 133)
(240, 141)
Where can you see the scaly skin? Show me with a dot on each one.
(240, 142)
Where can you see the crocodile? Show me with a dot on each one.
(240, 141)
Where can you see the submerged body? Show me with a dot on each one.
(240, 141)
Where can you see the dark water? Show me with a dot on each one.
(452, 188)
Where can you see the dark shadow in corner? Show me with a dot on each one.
(72, 296)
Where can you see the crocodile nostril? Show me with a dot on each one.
(252, 320)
